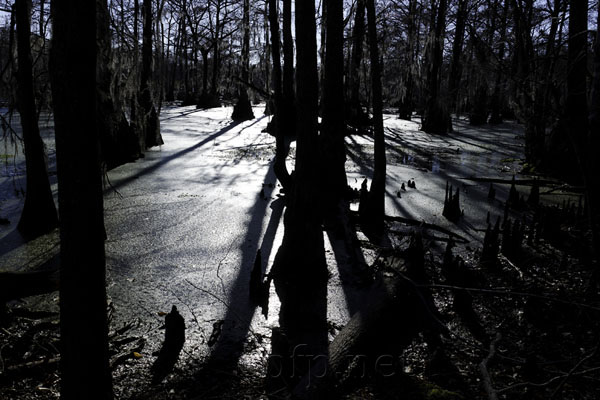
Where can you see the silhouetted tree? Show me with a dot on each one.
(406, 102)
(376, 199)
(83, 322)
(243, 109)
(280, 147)
(300, 269)
(594, 144)
(457, 48)
(332, 128)
(39, 213)
(354, 108)
(288, 121)
(436, 118)
(151, 124)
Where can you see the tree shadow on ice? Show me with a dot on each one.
(165, 160)
(230, 336)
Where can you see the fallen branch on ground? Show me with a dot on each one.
(486, 379)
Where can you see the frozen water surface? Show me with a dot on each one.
(185, 222)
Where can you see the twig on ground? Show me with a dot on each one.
(486, 379)
(507, 292)
(547, 383)
(572, 371)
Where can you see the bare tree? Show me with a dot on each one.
(39, 213)
(83, 320)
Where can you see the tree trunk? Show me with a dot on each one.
(243, 109)
(406, 102)
(498, 94)
(216, 52)
(457, 48)
(594, 143)
(355, 113)
(436, 118)
(83, 323)
(577, 108)
(300, 269)
(118, 141)
(280, 147)
(332, 130)
(288, 121)
(150, 118)
(39, 213)
(376, 201)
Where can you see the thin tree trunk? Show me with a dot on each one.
(355, 112)
(497, 95)
(594, 144)
(83, 322)
(39, 213)
(216, 53)
(577, 107)
(406, 103)
(332, 135)
(243, 109)
(376, 205)
(436, 118)
(150, 118)
(280, 147)
(288, 121)
(457, 47)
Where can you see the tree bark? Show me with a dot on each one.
(83, 326)
(39, 213)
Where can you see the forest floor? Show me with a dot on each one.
(184, 225)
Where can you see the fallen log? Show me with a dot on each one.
(414, 222)
(375, 336)
(16, 285)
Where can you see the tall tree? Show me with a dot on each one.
(376, 200)
(332, 131)
(354, 107)
(406, 102)
(497, 95)
(39, 213)
(457, 47)
(594, 143)
(243, 109)
(83, 322)
(288, 121)
(280, 147)
(300, 269)
(577, 109)
(436, 118)
(151, 124)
